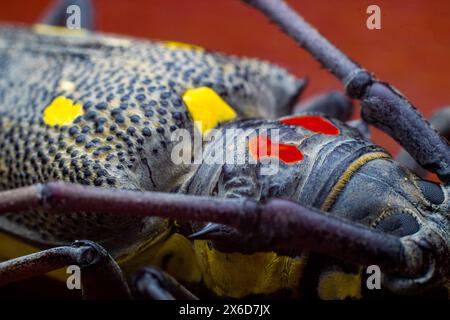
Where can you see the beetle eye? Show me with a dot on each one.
(431, 191)
(399, 224)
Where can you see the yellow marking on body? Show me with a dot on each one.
(62, 111)
(50, 30)
(238, 275)
(207, 108)
(66, 86)
(183, 46)
(337, 285)
(343, 180)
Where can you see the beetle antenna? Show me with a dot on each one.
(307, 37)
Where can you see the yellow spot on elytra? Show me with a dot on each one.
(181, 45)
(62, 111)
(66, 86)
(207, 108)
(57, 31)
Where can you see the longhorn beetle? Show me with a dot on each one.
(85, 153)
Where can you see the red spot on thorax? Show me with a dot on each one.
(262, 146)
(313, 123)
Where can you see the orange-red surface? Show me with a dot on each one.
(412, 50)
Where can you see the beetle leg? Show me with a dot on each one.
(58, 13)
(382, 105)
(441, 122)
(425, 254)
(278, 225)
(332, 104)
(245, 215)
(101, 277)
(155, 284)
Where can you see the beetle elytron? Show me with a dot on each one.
(95, 113)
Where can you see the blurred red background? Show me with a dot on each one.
(411, 50)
